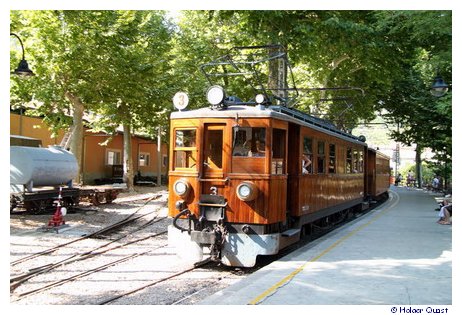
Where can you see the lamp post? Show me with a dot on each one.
(439, 87)
(23, 67)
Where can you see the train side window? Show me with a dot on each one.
(321, 157)
(307, 158)
(361, 162)
(185, 152)
(355, 161)
(349, 161)
(332, 159)
(279, 151)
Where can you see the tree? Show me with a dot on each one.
(426, 120)
(328, 49)
(111, 63)
(350, 64)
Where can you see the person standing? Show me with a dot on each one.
(435, 183)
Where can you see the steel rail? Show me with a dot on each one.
(83, 274)
(98, 232)
(197, 265)
(20, 279)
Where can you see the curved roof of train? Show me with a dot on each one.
(277, 112)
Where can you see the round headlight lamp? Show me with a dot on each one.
(182, 187)
(247, 191)
(260, 98)
(216, 95)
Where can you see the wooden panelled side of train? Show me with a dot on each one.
(333, 181)
(249, 175)
(377, 179)
(291, 172)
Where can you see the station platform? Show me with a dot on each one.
(395, 254)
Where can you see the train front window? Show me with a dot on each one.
(249, 142)
(249, 150)
(185, 152)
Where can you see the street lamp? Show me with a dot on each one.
(23, 67)
(439, 87)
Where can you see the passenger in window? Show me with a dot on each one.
(306, 164)
(260, 148)
(242, 149)
(331, 166)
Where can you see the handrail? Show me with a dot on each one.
(213, 204)
(214, 180)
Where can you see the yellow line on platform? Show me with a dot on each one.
(289, 277)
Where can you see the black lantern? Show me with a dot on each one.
(23, 67)
(439, 87)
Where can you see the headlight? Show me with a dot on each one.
(215, 95)
(182, 188)
(260, 99)
(247, 191)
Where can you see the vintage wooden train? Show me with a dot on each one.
(247, 179)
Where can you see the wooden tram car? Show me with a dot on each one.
(247, 179)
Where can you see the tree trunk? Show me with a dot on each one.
(277, 74)
(77, 134)
(128, 160)
(159, 156)
(418, 165)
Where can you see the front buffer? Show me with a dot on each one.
(210, 234)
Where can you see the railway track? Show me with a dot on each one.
(85, 273)
(138, 271)
(19, 279)
(155, 282)
(161, 274)
(117, 225)
(42, 282)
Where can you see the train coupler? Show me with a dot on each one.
(205, 236)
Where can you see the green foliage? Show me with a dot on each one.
(428, 172)
(115, 62)
(125, 66)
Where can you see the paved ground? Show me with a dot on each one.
(394, 255)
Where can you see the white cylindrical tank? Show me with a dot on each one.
(41, 166)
